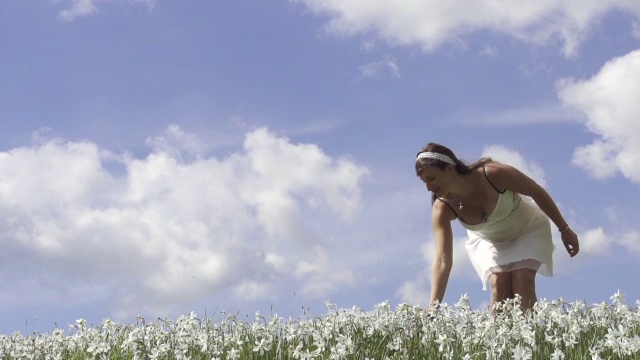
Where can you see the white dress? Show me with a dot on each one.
(516, 235)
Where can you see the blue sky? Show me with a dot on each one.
(159, 157)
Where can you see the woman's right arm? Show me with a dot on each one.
(441, 218)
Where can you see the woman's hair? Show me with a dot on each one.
(461, 167)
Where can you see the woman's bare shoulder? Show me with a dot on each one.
(497, 170)
(507, 177)
(495, 166)
(442, 212)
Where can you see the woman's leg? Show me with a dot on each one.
(524, 283)
(501, 287)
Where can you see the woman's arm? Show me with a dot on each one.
(441, 218)
(509, 178)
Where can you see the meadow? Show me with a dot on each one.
(552, 330)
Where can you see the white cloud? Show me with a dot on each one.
(168, 230)
(178, 144)
(431, 23)
(461, 262)
(489, 51)
(80, 8)
(415, 291)
(535, 114)
(594, 242)
(631, 241)
(609, 100)
(374, 69)
(515, 159)
(597, 242)
(368, 45)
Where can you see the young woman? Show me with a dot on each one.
(506, 215)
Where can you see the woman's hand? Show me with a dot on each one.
(570, 241)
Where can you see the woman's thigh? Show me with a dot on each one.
(501, 285)
(523, 278)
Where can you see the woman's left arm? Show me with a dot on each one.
(506, 177)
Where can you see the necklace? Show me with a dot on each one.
(459, 201)
(460, 205)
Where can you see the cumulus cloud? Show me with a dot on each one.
(416, 291)
(594, 242)
(609, 102)
(171, 229)
(431, 23)
(80, 8)
(597, 242)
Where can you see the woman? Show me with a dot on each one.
(506, 215)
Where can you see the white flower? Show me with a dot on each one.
(233, 354)
(521, 353)
(261, 346)
(617, 298)
(383, 307)
(569, 340)
(457, 331)
(557, 355)
(443, 341)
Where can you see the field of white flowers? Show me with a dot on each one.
(553, 330)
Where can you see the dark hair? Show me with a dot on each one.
(461, 167)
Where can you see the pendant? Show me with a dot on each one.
(461, 207)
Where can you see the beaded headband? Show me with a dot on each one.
(437, 156)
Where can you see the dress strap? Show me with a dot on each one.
(484, 168)
(450, 207)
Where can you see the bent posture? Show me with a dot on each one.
(506, 215)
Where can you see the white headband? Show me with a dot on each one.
(437, 156)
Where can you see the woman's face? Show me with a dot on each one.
(436, 180)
